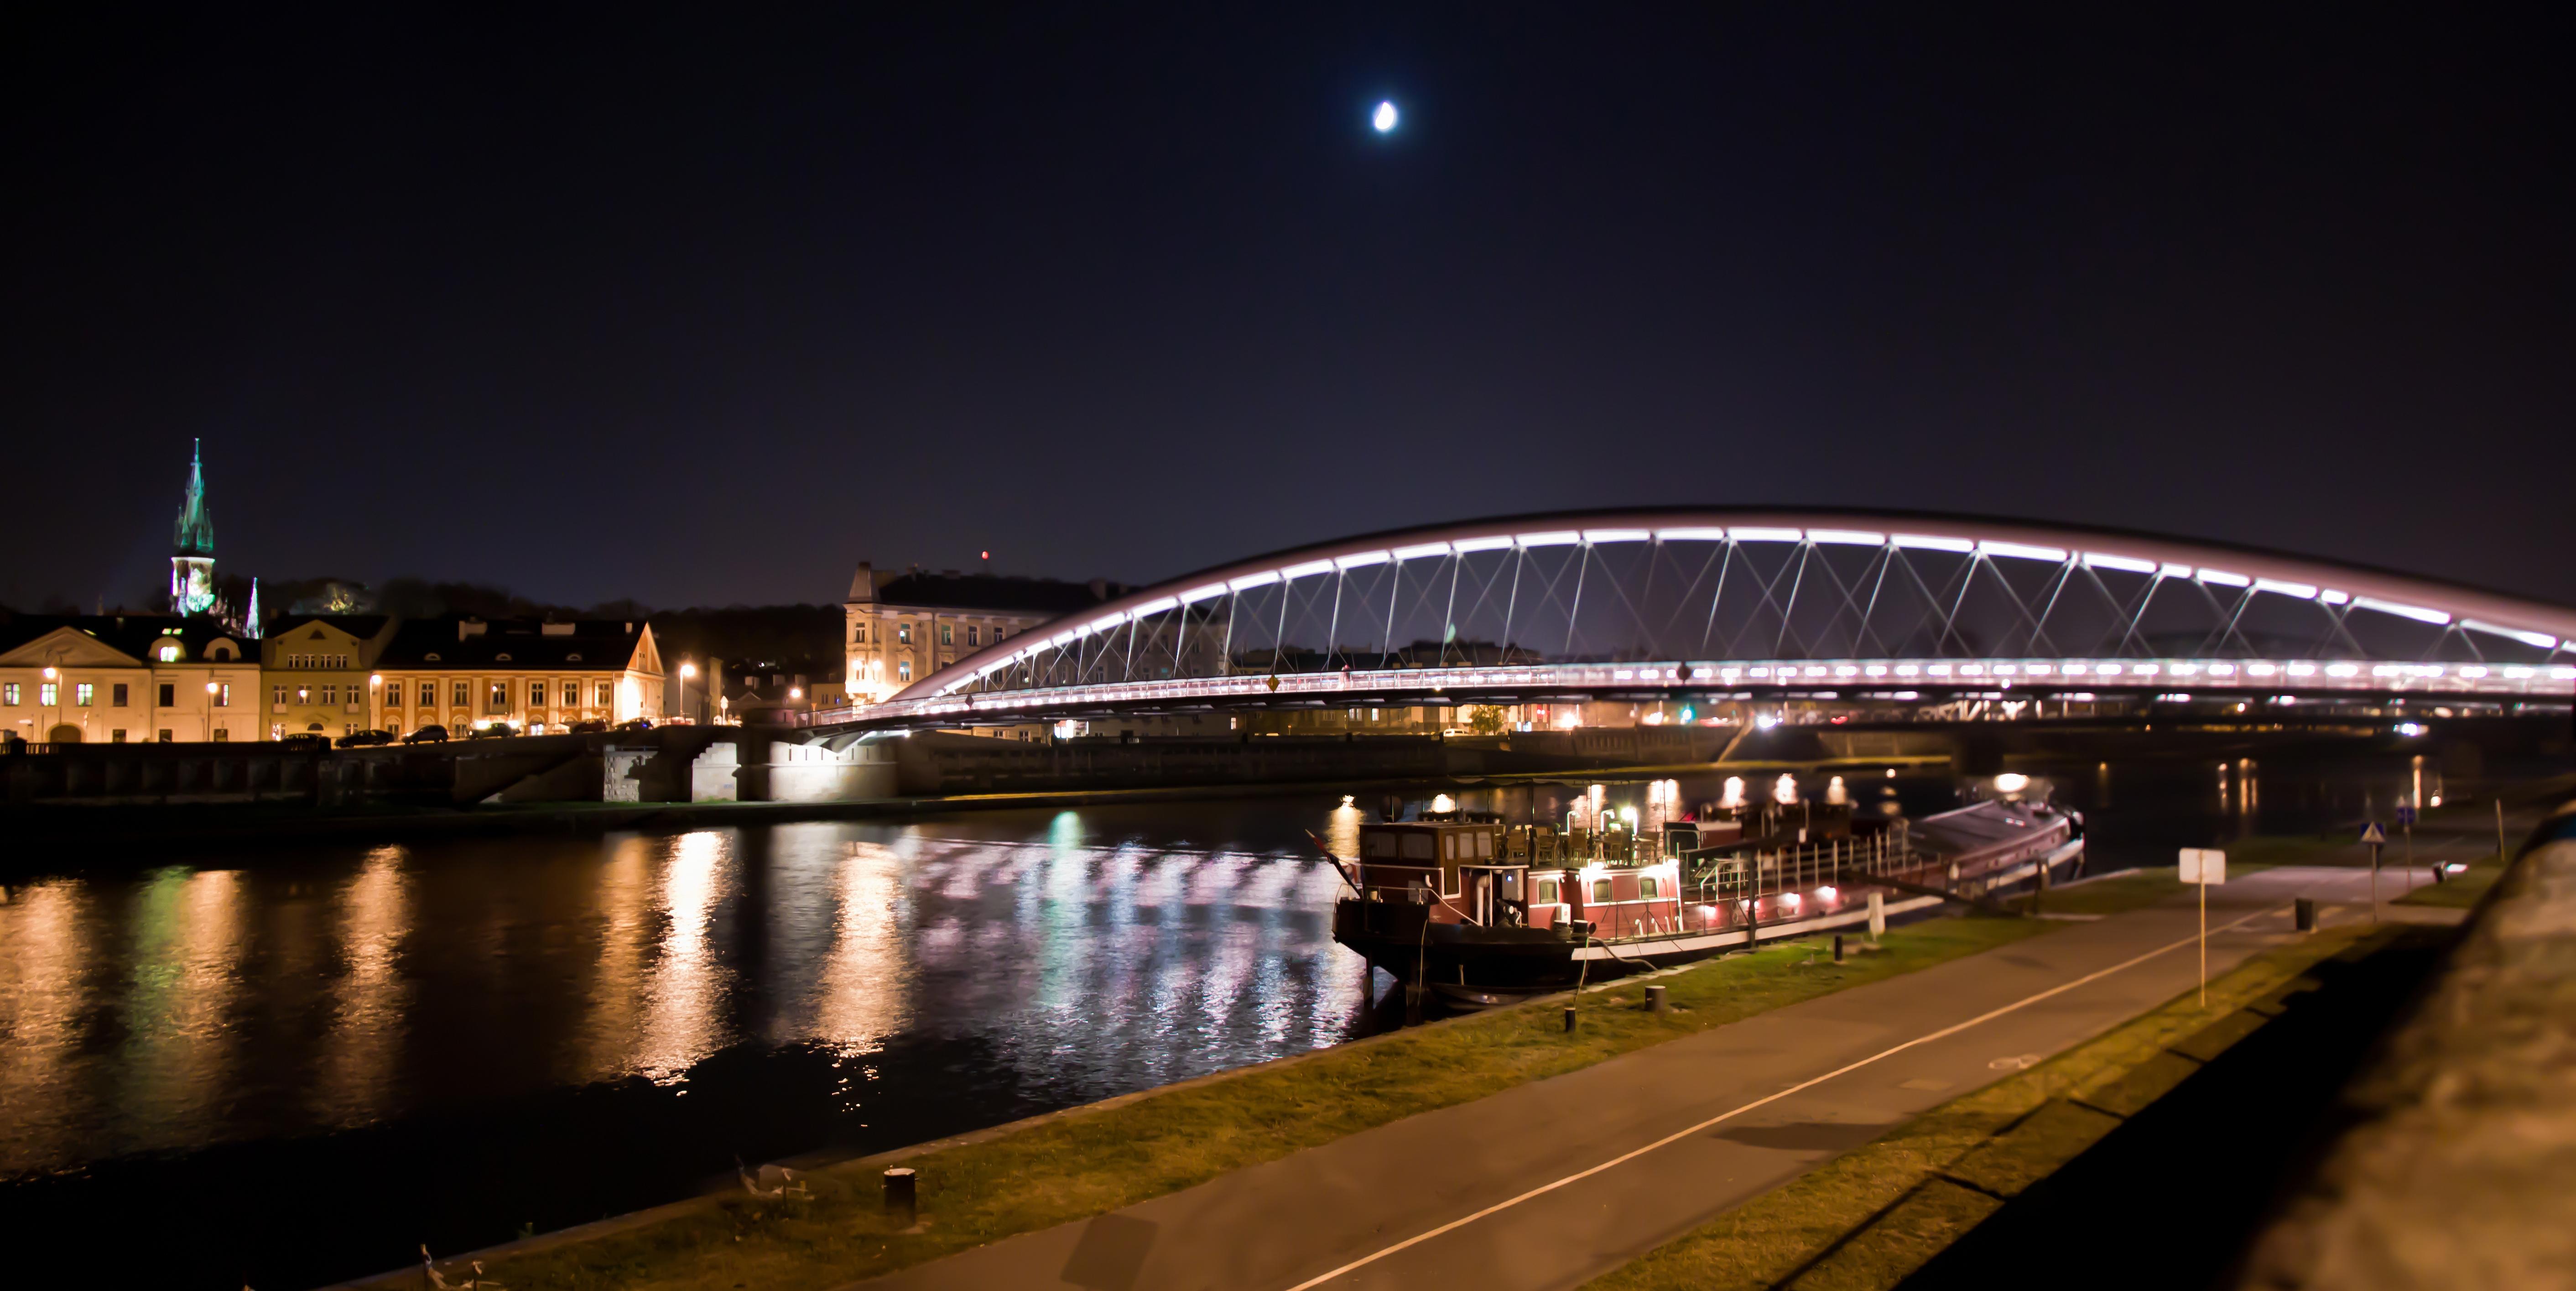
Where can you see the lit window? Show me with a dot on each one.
(903, 634)
(48, 694)
(948, 634)
(499, 698)
(9, 694)
(304, 694)
(82, 692)
(902, 671)
(972, 632)
(168, 653)
(223, 699)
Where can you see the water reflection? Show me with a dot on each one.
(355, 1077)
(42, 952)
(681, 1021)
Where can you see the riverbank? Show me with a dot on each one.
(1878, 1215)
(1067, 1166)
(1086, 1161)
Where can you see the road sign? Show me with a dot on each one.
(2204, 865)
(2406, 815)
(2372, 835)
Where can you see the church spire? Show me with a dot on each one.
(195, 533)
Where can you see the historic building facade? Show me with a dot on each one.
(319, 673)
(70, 679)
(901, 628)
(461, 672)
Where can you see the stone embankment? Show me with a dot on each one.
(2456, 1169)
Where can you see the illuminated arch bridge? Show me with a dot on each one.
(1741, 604)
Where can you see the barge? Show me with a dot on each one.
(1481, 912)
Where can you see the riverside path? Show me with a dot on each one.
(1471, 1196)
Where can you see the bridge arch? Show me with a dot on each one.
(1742, 600)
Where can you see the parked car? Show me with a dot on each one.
(636, 724)
(364, 739)
(490, 731)
(431, 734)
(592, 727)
(303, 740)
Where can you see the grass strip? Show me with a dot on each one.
(2457, 891)
(1093, 1160)
(1875, 1214)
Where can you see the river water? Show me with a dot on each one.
(295, 1064)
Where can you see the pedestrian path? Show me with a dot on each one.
(1550, 1184)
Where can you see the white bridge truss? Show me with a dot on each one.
(1732, 603)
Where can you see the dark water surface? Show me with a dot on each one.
(293, 1065)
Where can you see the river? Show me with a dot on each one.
(295, 1064)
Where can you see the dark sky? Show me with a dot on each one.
(706, 309)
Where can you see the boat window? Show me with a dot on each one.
(1417, 847)
(1601, 890)
(1484, 845)
(1646, 887)
(1379, 845)
(1547, 891)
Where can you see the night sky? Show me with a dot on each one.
(706, 309)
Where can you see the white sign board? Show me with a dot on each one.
(2204, 865)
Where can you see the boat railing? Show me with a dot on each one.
(1744, 873)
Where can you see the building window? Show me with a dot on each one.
(116, 736)
(499, 698)
(330, 694)
(9, 694)
(572, 694)
(461, 694)
(168, 653)
(859, 634)
(903, 634)
(47, 694)
(304, 694)
(165, 734)
(429, 694)
(602, 694)
(220, 734)
(169, 697)
(948, 634)
(81, 693)
(223, 697)
(973, 632)
(902, 670)
(1601, 891)
(277, 694)
(116, 695)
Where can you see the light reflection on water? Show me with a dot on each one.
(330, 988)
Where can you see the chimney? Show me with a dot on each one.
(863, 584)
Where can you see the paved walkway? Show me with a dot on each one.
(1551, 1184)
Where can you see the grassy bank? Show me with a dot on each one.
(1874, 1215)
(2459, 891)
(1098, 1159)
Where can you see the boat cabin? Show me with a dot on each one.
(1464, 873)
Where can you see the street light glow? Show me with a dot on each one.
(1384, 120)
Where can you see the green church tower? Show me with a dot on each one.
(192, 563)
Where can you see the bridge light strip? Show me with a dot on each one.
(1767, 535)
(1552, 538)
(2125, 564)
(1848, 537)
(1920, 542)
(2304, 591)
(2021, 551)
(2224, 578)
(1421, 550)
(1249, 581)
(2541, 640)
(2415, 612)
(1198, 594)
(1597, 536)
(1360, 560)
(1308, 568)
(1491, 542)
(1690, 535)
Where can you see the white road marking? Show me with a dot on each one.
(1810, 1083)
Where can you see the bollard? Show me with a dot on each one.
(899, 1199)
(2304, 913)
(1654, 999)
(1569, 1019)
(1838, 948)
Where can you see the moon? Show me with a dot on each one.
(1384, 118)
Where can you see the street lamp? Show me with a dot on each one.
(687, 670)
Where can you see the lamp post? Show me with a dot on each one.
(210, 710)
(687, 670)
(375, 698)
(53, 686)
